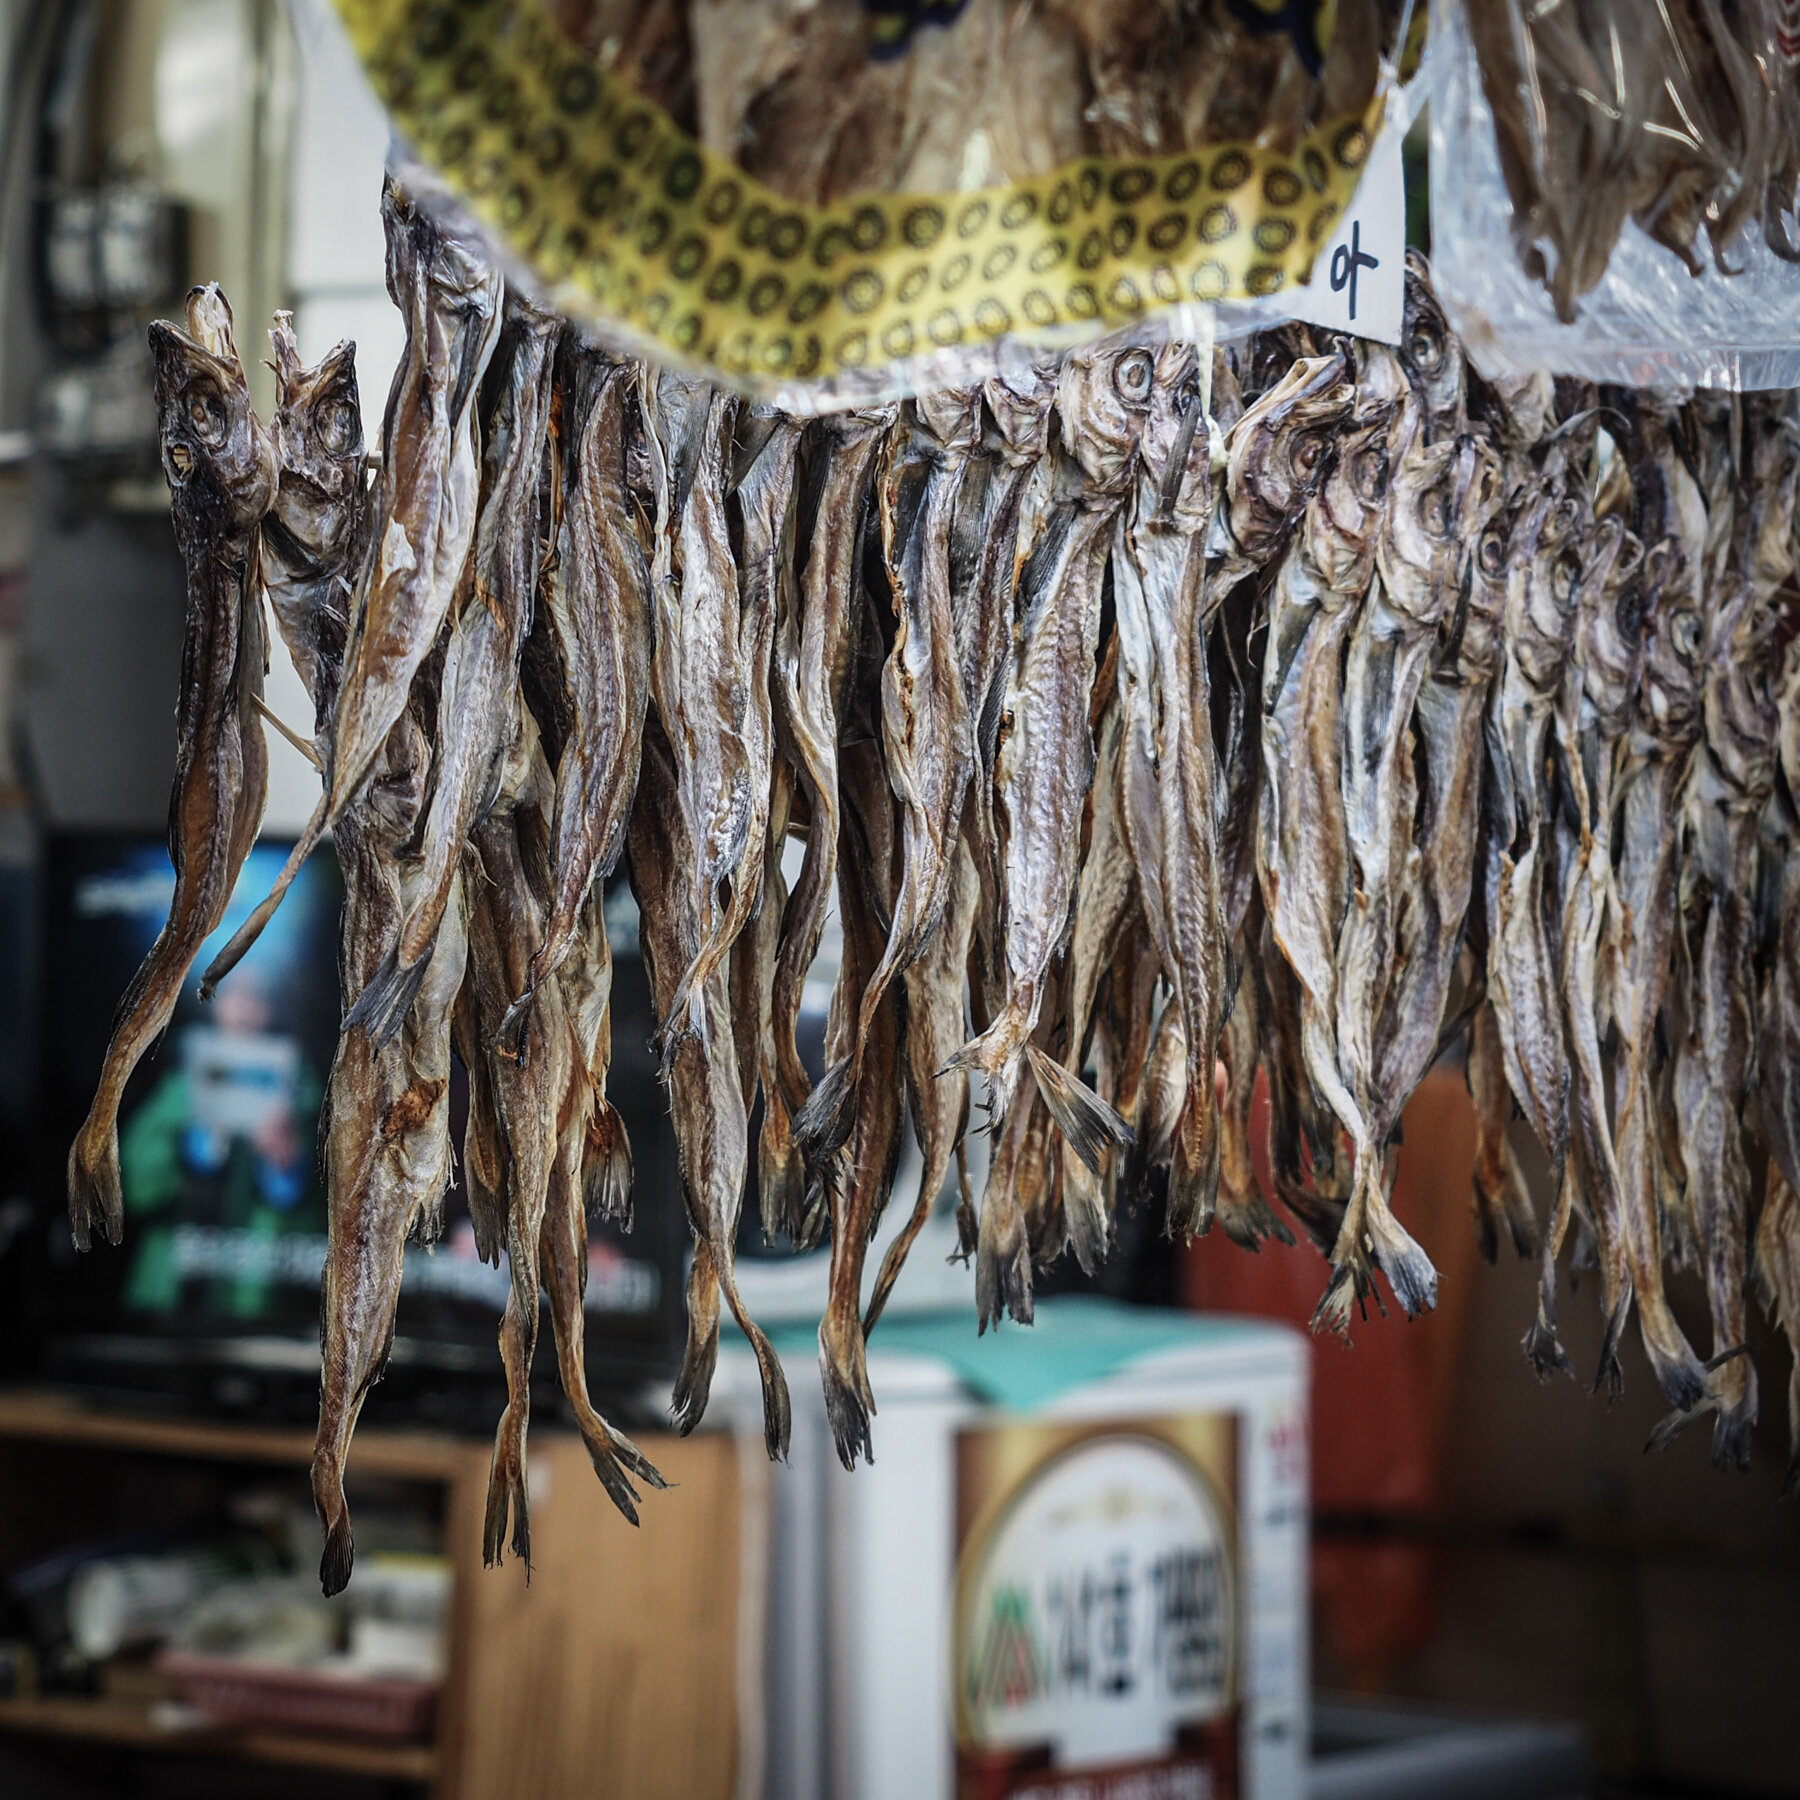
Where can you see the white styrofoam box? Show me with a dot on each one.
(857, 1682)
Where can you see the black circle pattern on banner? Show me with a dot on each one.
(632, 220)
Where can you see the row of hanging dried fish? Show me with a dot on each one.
(1150, 724)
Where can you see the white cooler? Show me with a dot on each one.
(1077, 1569)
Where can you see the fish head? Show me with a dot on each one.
(1544, 573)
(1674, 655)
(952, 417)
(214, 450)
(320, 460)
(1344, 520)
(1176, 451)
(1102, 405)
(1608, 636)
(1019, 402)
(1430, 353)
(1418, 551)
(1280, 451)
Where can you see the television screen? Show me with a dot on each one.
(225, 1208)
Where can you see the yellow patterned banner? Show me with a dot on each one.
(629, 221)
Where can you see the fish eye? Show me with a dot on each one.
(1493, 551)
(1684, 629)
(1426, 348)
(1436, 512)
(1564, 578)
(206, 415)
(1133, 375)
(337, 432)
(1307, 454)
(1370, 475)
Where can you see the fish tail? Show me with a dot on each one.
(1410, 1271)
(1194, 1165)
(694, 1381)
(1732, 1428)
(1248, 1219)
(381, 1008)
(780, 1169)
(844, 1372)
(96, 1195)
(506, 1474)
(1002, 1265)
(1608, 1371)
(1086, 1219)
(252, 928)
(822, 1126)
(607, 1171)
(967, 1227)
(1350, 1285)
(1089, 1126)
(1672, 1360)
(778, 1411)
(339, 1554)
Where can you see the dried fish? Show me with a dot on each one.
(221, 473)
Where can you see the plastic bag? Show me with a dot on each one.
(1647, 321)
(1047, 201)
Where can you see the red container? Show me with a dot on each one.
(247, 1694)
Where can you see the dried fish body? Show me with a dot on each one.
(221, 474)
(593, 634)
(1169, 780)
(449, 294)
(1777, 1271)
(1437, 866)
(316, 533)
(1729, 787)
(1303, 849)
(1045, 761)
(925, 726)
(1641, 952)
(387, 1146)
(859, 1176)
(697, 677)
(938, 1096)
(1590, 720)
(1019, 410)
(478, 694)
(1418, 552)
(705, 1090)
(815, 648)
(1498, 1186)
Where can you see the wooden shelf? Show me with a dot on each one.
(131, 1722)
(54, 1418)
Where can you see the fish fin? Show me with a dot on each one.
(381, 1008)
(509, 1034)
(693, 1383)
(1087, 1123)
(1671, 1425)
(339, 1554)
(615, 1458)
(607, 1172)
(96, 1195)
(252, 928)
(303, 745)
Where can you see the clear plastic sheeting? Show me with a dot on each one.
(1647, 322)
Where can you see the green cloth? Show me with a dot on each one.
(1077, 1339)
